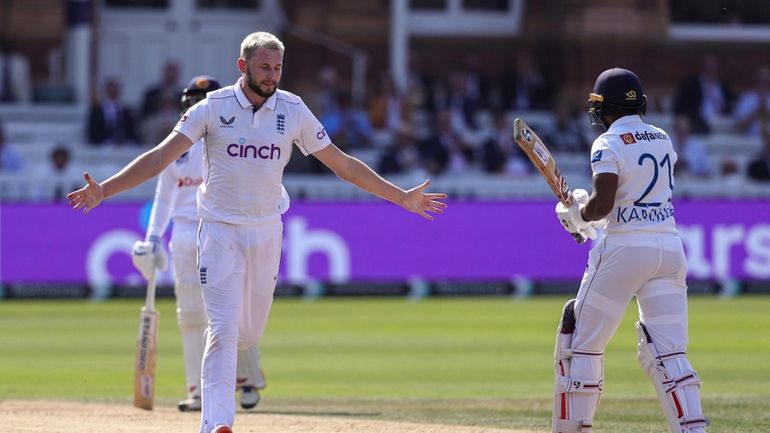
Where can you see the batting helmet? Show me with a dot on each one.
(617, 92)
(197, 89)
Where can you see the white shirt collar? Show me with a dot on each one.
(244, 101)
(623, 121)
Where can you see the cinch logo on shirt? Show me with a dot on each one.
(628, 138)
(251, 151)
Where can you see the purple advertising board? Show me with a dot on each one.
(376, 241)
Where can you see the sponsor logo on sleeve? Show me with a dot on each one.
(321, 134)
(597, 156)
(628, 138)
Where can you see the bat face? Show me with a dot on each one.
(538, 153)
(146, 347)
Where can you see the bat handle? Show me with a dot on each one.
(150, 300)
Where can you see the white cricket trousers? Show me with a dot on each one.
(238, 269)
(191, 315)
(651, 267)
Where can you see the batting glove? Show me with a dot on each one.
(571, 219)
(149, 255)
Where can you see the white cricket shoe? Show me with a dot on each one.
(249, 397)
(192, 404)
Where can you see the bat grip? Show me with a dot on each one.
(151, 282)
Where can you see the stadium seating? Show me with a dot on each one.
(35, 131)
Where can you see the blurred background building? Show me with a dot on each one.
(388, 77)
(414, 88)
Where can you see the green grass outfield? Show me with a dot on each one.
(473, 361)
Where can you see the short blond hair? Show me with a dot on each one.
(260, 40)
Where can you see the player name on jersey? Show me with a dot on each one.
(632, 214)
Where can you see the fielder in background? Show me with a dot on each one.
(250, 129)
(175, 199)
(640, 256)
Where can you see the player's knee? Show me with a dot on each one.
(223, 329)
(191, 319)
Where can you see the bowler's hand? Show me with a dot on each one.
(87, 197)
(421, 203)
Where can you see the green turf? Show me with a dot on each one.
(476, 361)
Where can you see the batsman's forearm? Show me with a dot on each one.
(360, 175)
(594, 211)
(141, 169)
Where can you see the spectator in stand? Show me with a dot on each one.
(10, 159)
(402, 156)
(445, 150)
(730, 173)
(759, 167)
(323, 97)
(501, 154)
(477, 87)
(347, 124)
(754, 104)
(419, 86)
(155, 128)
(703, 97)
(527, 88)
(566, 134)
(60, 173)
(110, 121)
(15, 83)
(693, 155)
(153, 97)
(389, 110)
(465, 105)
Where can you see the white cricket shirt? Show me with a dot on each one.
(643, 158)
(175, 192)
(245, 151)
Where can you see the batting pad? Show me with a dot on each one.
(676, 383)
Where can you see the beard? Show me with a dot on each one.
(254, 86)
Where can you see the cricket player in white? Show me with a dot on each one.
(175, 197)
(250, 129)
(640, 256)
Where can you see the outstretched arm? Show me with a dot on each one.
(144, 167)
(359, 174)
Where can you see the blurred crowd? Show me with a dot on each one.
(443, 125)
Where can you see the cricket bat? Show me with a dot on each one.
(146, 346)
(538, 153)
